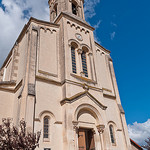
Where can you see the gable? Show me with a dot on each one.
(77, 97)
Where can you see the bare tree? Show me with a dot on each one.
(13, 138)
(147, 146)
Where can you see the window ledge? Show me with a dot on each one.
(114, 144)
(46, 140)
(83, 78)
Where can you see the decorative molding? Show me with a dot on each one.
(81, 94)
(58, 122)
(7, 83)
(47, 73)
(121, 109)
(83, 78)
(104, 49)
(119, 130)
(109, 96)
(10, 86)
(79, 51)
(85, 87)
(81, 85)
(37, 119)
(100, 128)
(94, 132)
(77, 27)
(47, 29)
(104, 89)
(75, 126)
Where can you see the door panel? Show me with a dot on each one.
(81, 139)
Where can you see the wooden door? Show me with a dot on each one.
(81, 139)
(86, 139)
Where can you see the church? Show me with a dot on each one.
(63, 84)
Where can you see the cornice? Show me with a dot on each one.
(81, 94)
(10, 86)
(73, 18)
(104, 49)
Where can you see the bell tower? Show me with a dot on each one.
(74, 7)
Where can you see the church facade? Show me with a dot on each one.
(63, 83)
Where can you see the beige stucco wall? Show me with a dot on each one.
(6, 105)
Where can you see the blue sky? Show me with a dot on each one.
(130, 50)
(122, 26)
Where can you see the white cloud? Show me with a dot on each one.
(139, 131)
(97, 25)
(112, 35)
(113, 24)
(89, 8)
(13, 18)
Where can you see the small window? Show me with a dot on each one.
(46, 127)
(73, 60)
(84, 63)
(112, 134)
(47, 149)
(55, 10)
(74, 9)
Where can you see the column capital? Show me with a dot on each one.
(90, 54)
(100, 128)
(79, 51)
(75, 125)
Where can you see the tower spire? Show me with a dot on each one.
(74, 7)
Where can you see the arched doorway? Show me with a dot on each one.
(87, 128)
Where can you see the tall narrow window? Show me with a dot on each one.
(84, 63)
(74, 9)
(73, 60)
(46, 127)
(55, 10)
(112, 134)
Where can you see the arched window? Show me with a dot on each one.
(46, 127)
(74, 8)
(84, 63)
(55, 11)
(73, 59)
(111, 129)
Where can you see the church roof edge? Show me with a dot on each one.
(106, 50)
(71, 16)
(135, 144)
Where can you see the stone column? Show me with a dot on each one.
(75, 128)
(91, 65)
(31, 87)
(100, 129)
(82, 10)
(80, 61)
